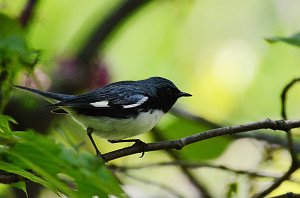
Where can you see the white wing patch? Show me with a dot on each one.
(141, 101)
(103, 103)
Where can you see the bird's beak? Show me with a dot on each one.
(183, 94)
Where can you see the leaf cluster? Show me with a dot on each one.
(60, 169)
(15, 55)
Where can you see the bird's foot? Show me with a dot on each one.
(137, 142)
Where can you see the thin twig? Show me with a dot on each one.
(277, 183)
(283, 125)
(284, 97)
(290, 143)
(284, 116)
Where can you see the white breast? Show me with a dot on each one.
(117, 129)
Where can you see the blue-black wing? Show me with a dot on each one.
(122, 101)
(109, 97)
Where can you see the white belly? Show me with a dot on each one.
(117, 129)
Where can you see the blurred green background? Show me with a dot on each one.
(213, 49)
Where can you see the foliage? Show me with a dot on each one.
(40, 159)
(292, 40)
(14, 55)
(35, 157)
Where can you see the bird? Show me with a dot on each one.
(118, 110)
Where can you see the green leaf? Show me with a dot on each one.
(13, 44)
(13, 168)
(293, 40)
(14, 55)
(203, 150)
(64, 170)
(5, 131)
(21, 186)
(12, 39)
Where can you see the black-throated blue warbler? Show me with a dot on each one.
(118, 110)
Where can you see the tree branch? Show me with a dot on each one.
(284, 116)
(280, 140)
(284, 96)
(283, 125)
(277, 182)
(295, 165)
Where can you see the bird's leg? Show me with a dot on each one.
(89, 133)
(140, 143)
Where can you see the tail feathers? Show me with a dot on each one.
(55, 96)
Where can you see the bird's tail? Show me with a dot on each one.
(55, 96)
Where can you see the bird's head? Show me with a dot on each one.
(165, 92)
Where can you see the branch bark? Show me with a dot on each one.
(282, 125)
